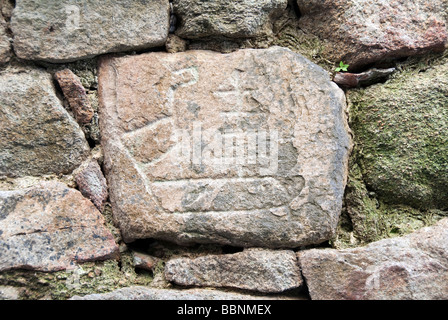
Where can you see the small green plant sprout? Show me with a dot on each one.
(342, 67)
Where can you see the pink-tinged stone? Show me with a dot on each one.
(51, 227)
(92, 184)
(363, 32)
(145, 261)
(411, 267)
(354, 80)
(290, 195)
(76, 95)
(260, 270)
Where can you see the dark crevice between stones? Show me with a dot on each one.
(174, 21)
(144, 273)
(325, 244)
(141, 245)
(295, 7)
(146, 50)
(304, 290)
(90, 141)
(230, 249)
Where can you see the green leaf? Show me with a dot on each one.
(342, 67)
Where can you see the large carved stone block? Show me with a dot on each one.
(248, 148)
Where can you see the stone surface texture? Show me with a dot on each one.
(401, 127)
(92, 184)
(144, 293)
(284, 189)
(62, 31)
(51, 227)
(363, 79)
(38, 134)
(413, 267)
(366, 31)
(145, 261)
(231, 19)
(9, 293)
(5, 45)
(253, 269)
(175, 44)
(76, 95)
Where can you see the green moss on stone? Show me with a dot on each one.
(367, 219)
(86, 70)
(307, 45)
(288, 34)
(401, 137)
(87, 278)
(398, 173)
(83, 279)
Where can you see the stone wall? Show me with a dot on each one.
(188, 149)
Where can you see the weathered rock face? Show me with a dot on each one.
(145, 261)
(364, 31)
(9, 293)
(401, 127)
(63, 31)
(353, 80)
(248, 148)
(49, 227)
(92, 184)
(175, 44)
(232, 19)
(5, 45)
(253, 269)
(144, 293)
(411, 267)
(38, 134)
(76, 95)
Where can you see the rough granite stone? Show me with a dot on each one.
(413, 267)
(38, 134)
(363, 79)
(51, 227)
(175, 44)
(231, 19)
(62, 31)
(92, 184)
(168, 175)
(266, 271)
(145, 261)
(144, 293)
(401, 127)
(366, 31)
(76, 95)
(5, 45)
(6, 7)
(9, 293)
